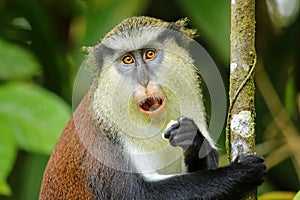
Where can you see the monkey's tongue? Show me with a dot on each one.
(151, 103)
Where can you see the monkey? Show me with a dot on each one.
(141, 130)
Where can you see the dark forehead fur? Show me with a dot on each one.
(143, 21)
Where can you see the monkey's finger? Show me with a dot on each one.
(183, 140)
(186, 121)
(187, 125)
(171, 126)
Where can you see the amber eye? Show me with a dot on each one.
(127, 60)
(149, 54)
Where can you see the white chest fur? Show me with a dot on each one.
(155, 160)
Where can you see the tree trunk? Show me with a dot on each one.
(240, 123)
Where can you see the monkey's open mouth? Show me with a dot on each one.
(151, 104)
(150, 100)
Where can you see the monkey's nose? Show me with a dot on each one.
(142, 75)
(144, 83)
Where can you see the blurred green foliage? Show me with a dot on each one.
(30, 67)
(40, 54)
(297, 197)
(213, 19)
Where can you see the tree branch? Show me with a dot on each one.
(241, 114)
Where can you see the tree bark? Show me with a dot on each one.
(241, 115)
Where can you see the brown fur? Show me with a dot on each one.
(65, 177)
(72, 171)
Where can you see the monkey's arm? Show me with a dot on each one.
(230, 182)
(198, 153)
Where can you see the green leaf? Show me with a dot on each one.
(36, 116)
(213, 20)
(277, 195)
(8, 151)
(297, 197)
(16, 62)
(4, 189)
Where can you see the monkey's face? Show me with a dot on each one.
(146, 78)
(137, 66)
(148, 82)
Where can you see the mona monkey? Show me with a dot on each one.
(119, 143)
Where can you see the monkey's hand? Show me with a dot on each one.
(183, 133)
(249, 170)
(198, 153)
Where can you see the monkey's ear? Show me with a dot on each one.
(181, 24)
(86, 49)
(98, 54)
(95, 58)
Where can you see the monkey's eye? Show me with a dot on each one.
(149, 54)
(128, 59)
